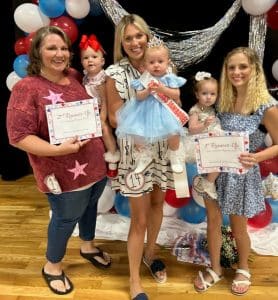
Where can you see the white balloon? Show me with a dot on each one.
(198, 199)
(77, 9)
(29, 18)
(168, 210)
(12, 79)
(275, 69)
(257, 7)
(106, 200)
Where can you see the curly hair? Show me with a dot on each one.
(257, 92)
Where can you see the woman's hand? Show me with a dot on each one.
(248, 160)
(72, 145)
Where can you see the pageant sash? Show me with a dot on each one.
(147, 79)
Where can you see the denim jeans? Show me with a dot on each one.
(68, 209)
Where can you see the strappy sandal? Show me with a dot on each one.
(215, 278)
(155, 266)
(241, 287)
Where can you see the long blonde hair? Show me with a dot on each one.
(119, 33)
(257, 92)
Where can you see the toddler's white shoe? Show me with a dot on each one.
(112, 159)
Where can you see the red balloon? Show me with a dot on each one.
(269, 166)
(28, 41)
(68, 25)
(20, 47)
(35, 1)
(262, 219)
(173, 201)
(272, 17)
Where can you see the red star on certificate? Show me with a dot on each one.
(54, 98)
(78, 170)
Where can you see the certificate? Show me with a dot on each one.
(73, 119)
(219, 152)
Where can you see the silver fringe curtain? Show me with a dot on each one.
(257, 34)
(191, 47)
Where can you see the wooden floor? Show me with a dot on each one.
(23, 222)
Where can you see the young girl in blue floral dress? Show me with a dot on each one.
(245, 105)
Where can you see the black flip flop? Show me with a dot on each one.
(49, 278)
(91, 257)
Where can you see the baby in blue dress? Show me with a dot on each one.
(155, 114)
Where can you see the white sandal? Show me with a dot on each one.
(244, 283)
(215, 278)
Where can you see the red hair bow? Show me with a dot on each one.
(90, 41)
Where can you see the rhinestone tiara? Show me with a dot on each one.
(155, 42)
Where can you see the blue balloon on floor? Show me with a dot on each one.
(192, 213)
(121, 205)
(191, 169)
(226, 220)
(274, 207)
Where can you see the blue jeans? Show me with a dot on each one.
(68, 209)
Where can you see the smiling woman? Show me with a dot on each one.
(245, 105)
(71, 174)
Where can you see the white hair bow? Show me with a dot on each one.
(202, 75)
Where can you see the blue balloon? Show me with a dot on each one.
(191, 169)
(20, 65)
(192, 213)
(52, 8)
(121, 205)
(95, 8)
(226, 220)
(274, 207)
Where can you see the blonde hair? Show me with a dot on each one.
(119, 33)
(172, 67)
(257, 92)
(198, 83)
(34, 67)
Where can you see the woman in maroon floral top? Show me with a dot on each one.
(73, 173)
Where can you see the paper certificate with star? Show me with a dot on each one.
(70, 119)
(219, 152)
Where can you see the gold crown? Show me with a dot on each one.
(155, 42)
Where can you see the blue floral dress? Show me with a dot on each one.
(242, 194)
(149, 120)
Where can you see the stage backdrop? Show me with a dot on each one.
(164, 15)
